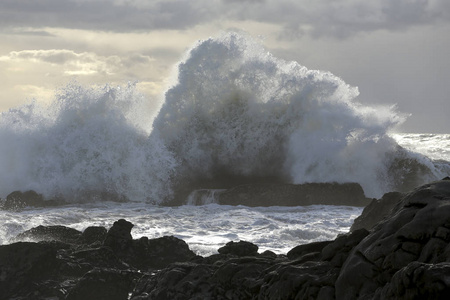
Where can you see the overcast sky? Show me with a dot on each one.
(395, 51)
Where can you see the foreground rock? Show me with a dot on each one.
(400, 251)
(404, 256)
(377, 210)
(416, 231)
(94, 264)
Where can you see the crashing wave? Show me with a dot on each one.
(237, 114)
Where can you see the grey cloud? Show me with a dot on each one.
(103, 14)
(316, 18)
(28, 32)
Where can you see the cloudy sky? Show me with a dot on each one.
(395, 51)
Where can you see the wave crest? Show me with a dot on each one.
(236, 114)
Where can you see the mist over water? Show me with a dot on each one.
(236, 114)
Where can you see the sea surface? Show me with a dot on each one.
(232, 114)
(209, 227)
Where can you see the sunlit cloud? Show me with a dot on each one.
(78, 63)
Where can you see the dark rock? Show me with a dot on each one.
(50, 233)
(19, 200)
(408, 234)
(149, 254)
(418, 281)
(406, 255)
(93, 234)
(241, 248)
(103, 284)
(145, 253)
(376, 211)
(294, 194)
(119, 237)
(299, 251)
(66, 261)
(235, 278)
(269, 254)
(179, 281)
(303, 281)
(102, 257)
(23, 265)
(338, 251)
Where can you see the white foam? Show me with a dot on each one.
(235, 111)
(205, 228)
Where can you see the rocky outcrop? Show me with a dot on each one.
(376, 211)
(417, 230)
(63, 263)
(50, 233)
(405, 255)
(241, 248)
(145, 254)
(294, 194)
(23, 266)
(19, 200)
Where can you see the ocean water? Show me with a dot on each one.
(205, 228)
(233, 114)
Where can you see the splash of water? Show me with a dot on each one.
(86, 145)
(238, 111)
(236, 114)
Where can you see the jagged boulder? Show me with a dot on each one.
(23, 265)
(119, 237)
(18, 200)
(294, 194)
(103, 284)
(50, 233)
(404, 256)
(307, 249)
(376, 211)
(144, 253)
(223, 277)
(417, 230)
(241, 248)
(93, 234)
(418, 281)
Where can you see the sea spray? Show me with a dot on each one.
(238, 111)
(236, 114)
(83, 147)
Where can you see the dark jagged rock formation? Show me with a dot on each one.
(294, 194)
(241, 248)
(50, 233)
(416, 231)
(95, 264)
(145, 253)
(376, 211)
(23, 265)
(405, 255)
(19, 200)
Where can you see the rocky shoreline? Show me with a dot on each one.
(399, 248)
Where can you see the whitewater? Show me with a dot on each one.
(234, 114)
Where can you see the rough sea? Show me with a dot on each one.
(233, 113)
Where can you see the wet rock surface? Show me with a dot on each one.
(350, 194)
(18, 200)
(63, 263)
(376, 211)
(404, 254)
